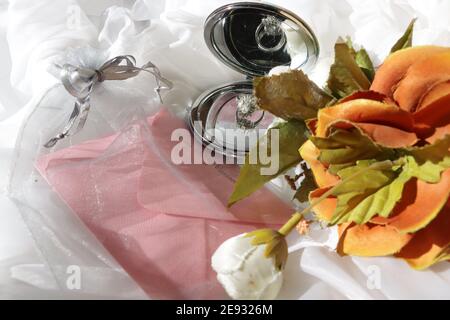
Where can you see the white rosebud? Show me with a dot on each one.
(248, 268)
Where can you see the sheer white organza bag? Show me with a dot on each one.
(66, 249)
(158, 220)
(37, 35)
(63, 245)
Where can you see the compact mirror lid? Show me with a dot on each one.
(253, 38)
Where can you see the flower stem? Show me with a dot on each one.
(292, 222)
(297, 216)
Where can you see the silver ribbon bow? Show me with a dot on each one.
(80, 82)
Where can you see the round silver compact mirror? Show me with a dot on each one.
(251, 38)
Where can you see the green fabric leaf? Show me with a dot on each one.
(356, 198)
(378, 201)
(370, 180)
(292, 135)
(345, 147)
(362, 60)
(376, 192)
(365, 63)
(405, 40)
(435, 152)
(290, 95)
(307, 185)
(262, 236)
(428, 162)
(428, 171)
(346, 76)
(335, 168)
(275, 242)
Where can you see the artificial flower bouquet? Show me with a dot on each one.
(377, 143)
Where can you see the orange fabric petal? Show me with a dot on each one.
(342, 228)
(367, 111)
(439, 133)
(421, 76)
(421, 202)
(396, 65)
(369, 240)
(367, 94)
(309, 153)
(324, 210)
(435, 114)
(429, 245)
(389, 136)
(436, 92)
(311, 124)
(386, 136)
(433, 118)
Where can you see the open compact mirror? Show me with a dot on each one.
(251, 38)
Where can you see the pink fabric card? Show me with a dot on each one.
(161, 221)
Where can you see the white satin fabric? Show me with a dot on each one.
(170, 33)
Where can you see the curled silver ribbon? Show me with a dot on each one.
(80, 82)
